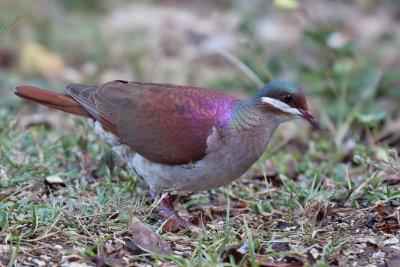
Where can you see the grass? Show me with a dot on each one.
(89, 213)
(310, 198)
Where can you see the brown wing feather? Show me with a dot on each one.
(105, 113)
(164, 123)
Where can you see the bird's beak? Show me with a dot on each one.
(307, 115)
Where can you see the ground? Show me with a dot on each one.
(315, 198)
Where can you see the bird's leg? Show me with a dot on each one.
(167, 205)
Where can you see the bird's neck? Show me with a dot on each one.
(246, 115)
(249, 132)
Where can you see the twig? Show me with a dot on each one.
(95, 215)
(243, 67)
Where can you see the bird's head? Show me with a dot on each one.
(286, 100)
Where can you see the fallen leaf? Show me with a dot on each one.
(344, 200)
(384, 221)
(281, 246)
(370, 249)
(170, 225)
(322, 211)
(338, 259)
(235, 253)
(241, 205)
(2, 197)
(382, 210)
(395, 203)
(133, 248)
(110, 257)
(148, 240)
(294, 258)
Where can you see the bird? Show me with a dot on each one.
(180, 137)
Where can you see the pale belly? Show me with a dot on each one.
(225, 161)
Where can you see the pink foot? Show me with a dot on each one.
(168, 207)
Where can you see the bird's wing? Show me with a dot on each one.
(163, 123)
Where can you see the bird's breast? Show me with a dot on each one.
(227, 158)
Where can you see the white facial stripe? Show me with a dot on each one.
(281, 106)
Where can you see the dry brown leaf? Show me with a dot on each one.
(322, 211)
(370, 249)
(111, 257)
(148, 240)
(281, 246)
(339, 260)
(382, 210)
(234, 251)
(384, 221)
(170, 225)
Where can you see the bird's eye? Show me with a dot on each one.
(287, 98)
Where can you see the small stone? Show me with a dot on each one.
(39, 262)
(379, 255)
(315, 253)
(46, 258)
(58, 247)
(53, 179)
(391, 241)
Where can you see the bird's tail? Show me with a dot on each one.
(51, 99)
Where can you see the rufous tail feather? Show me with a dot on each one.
(51, 99)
